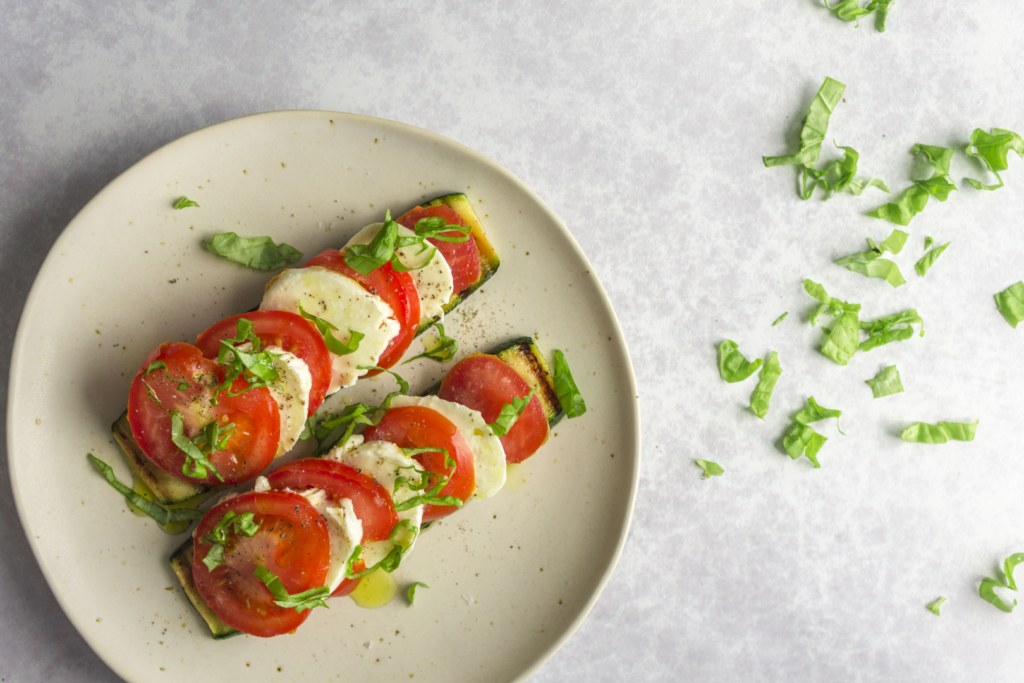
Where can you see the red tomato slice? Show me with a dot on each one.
(283, 329)
(254, 414)
(396, 289)
(419, 427)
(462, 257)
(292, 543)
(486, 383)
(348, 585)
(373, 504)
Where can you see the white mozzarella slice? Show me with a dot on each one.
(384, 462)
(342, 302)
(433, 281)
(344, 529)
(488, 453)
(346, 532)
(291, 391)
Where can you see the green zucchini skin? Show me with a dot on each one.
(489, 260)
(166, 488)
(181, 563)
(523, 356)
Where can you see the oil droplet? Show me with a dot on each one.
(140, 487)
(516, 475)
(375, 590)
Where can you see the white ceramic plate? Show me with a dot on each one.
(510, 577)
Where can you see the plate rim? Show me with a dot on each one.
(98, 645)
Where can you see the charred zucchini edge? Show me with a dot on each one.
(181, 563)
(166, 488)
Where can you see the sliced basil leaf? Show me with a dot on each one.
(922, 432)
(442, 351)
(844, 338)
(934, 607)
(159, 514)
(886, 382)
(914, 198)
(214, 556)
(314, 597)
(815, 413)
(334, 345)
(732, 365)
(412, 591)
(801, 439)
(569, 396)
(850, 10)
(196, 464)
(828, 303)
(1008, 566)
(403, 536)
(510, 413)
(992, 149)
(366, 258)
(780, 319)
(928, 242)
(894, 242)
(985, 590)
(153, 367)
(869, 264)
(884, 330)
(770, 373)
(838, 176)
(152, 396)
(403, 386)
(184, 203)
(257, 252)
(812, 134)
(928, 259)
(432, 227)
(711, 469)
(1010, 303)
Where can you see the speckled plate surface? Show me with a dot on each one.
(510, 577)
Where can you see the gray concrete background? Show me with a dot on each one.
(642, 126)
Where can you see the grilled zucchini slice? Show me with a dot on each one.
(181, 563)
(166, 489)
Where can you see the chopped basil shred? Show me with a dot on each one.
(985, 590)
(851, 10)
(510, 413)
(366, 258)
(241, 524)
(335, 430)
(886, 382)
(914, 198)
(780, 319)
(196, 450)
(442, 351)
(870, 264)
(412, 591)
(732, 365)
(935, 606)
(800, 440)
(153, 367)
(928, 242)
(922, 432)
(837, 176)
(1010, 303)
(160, 514)
(815, 413)
(253, 365)
(334, 345)
(184, 203)
(928, 259)
(569, 396)
(884, 330)
(314, 597)
(770, 373)
(711, 469)
(992, 149)
(257, 252)
(433, 480)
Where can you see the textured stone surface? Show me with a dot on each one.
(642, 125)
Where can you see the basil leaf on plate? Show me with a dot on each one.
(314, 597)
(160, 515)
(569, 396)
(257, 252)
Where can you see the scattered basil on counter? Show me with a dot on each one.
(770, 373)
(1010, 303)
(886, 383)
(928, 259)
(914, 198)
(934, 607)
(922, 432)
(732, 365)
(992, 149)
(780, 319)
(851, 10)
(711, 469)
